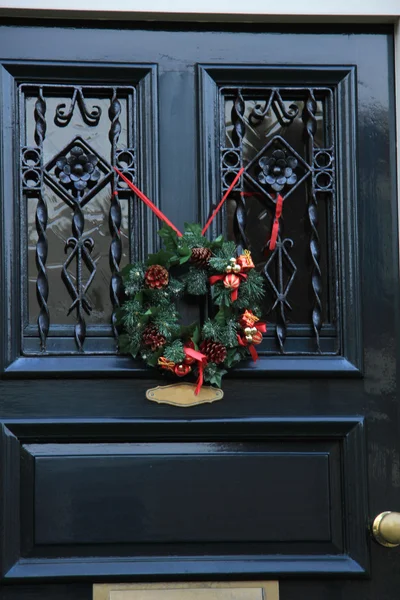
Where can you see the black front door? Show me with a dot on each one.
(282, 478)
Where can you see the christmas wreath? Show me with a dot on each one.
(191, 264)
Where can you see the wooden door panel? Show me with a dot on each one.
(279, 487)
(283, 477)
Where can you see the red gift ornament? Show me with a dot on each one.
(245, 261)
(247, 319)
(181, 369)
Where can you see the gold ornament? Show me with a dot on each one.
(247, 330)
(232, 261)
(236, 268)
(228, 269)
(254, 330)
(249, 338)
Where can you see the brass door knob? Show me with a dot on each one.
(386, 529)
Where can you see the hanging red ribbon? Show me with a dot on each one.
(275, 226)
(234, 294)
(147, 201)
(201, 363)
(228, 191)
(161, 215)
(262, 327)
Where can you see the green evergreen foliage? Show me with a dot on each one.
(174, 352)
(176, 287)
(169, 237)
(222, 295)
(227, 250)
(251, 290)
(166, 320)
(219, 264)
(213, 374)
(196, 281)
(225, 333)
(193, 237)
(133, 278)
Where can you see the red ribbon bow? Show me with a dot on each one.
(275, 226)
(262, 327)
(234, 294)
(202, 361)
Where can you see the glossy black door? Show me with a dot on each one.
(282, 478)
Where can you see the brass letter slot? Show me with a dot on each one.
(240, 590)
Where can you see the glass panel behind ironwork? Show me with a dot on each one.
(284, 140)
(76, 211)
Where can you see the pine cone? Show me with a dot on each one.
(200, 256)
(156, 277)
(214, 351)
(152, 338)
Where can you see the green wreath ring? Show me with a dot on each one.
(191, 264)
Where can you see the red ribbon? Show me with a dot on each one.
(275, 226)
(202, 361)
(252, 349)
(149, 203)
(234, 294)
(228, 191)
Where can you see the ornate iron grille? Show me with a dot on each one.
(284, 138)
(75, 205)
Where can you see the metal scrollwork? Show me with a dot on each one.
(310, 128)
(274, 102)
(114, 218)
(91, 117)
(42, 285)
(280, 261)
(289, 165)
(78, 171)
(238, 133)
(81, 249)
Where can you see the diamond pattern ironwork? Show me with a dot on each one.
(277, 150)
(77, 171)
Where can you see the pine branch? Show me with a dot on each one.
(222, 296)
(213, 374)
(218, 264)
(227, 250)
(251, 290)
(196, 281)
(133, 278)
(174, 352)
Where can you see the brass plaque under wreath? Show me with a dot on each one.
(183, 394)
(238, 590)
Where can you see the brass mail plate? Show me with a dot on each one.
(240, 590)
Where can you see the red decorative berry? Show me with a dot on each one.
(181, 370)
(156, 277)
(189, 360)
(152, 338)
(214, 351)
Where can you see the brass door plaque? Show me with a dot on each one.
(240, 590)
(182, 394)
